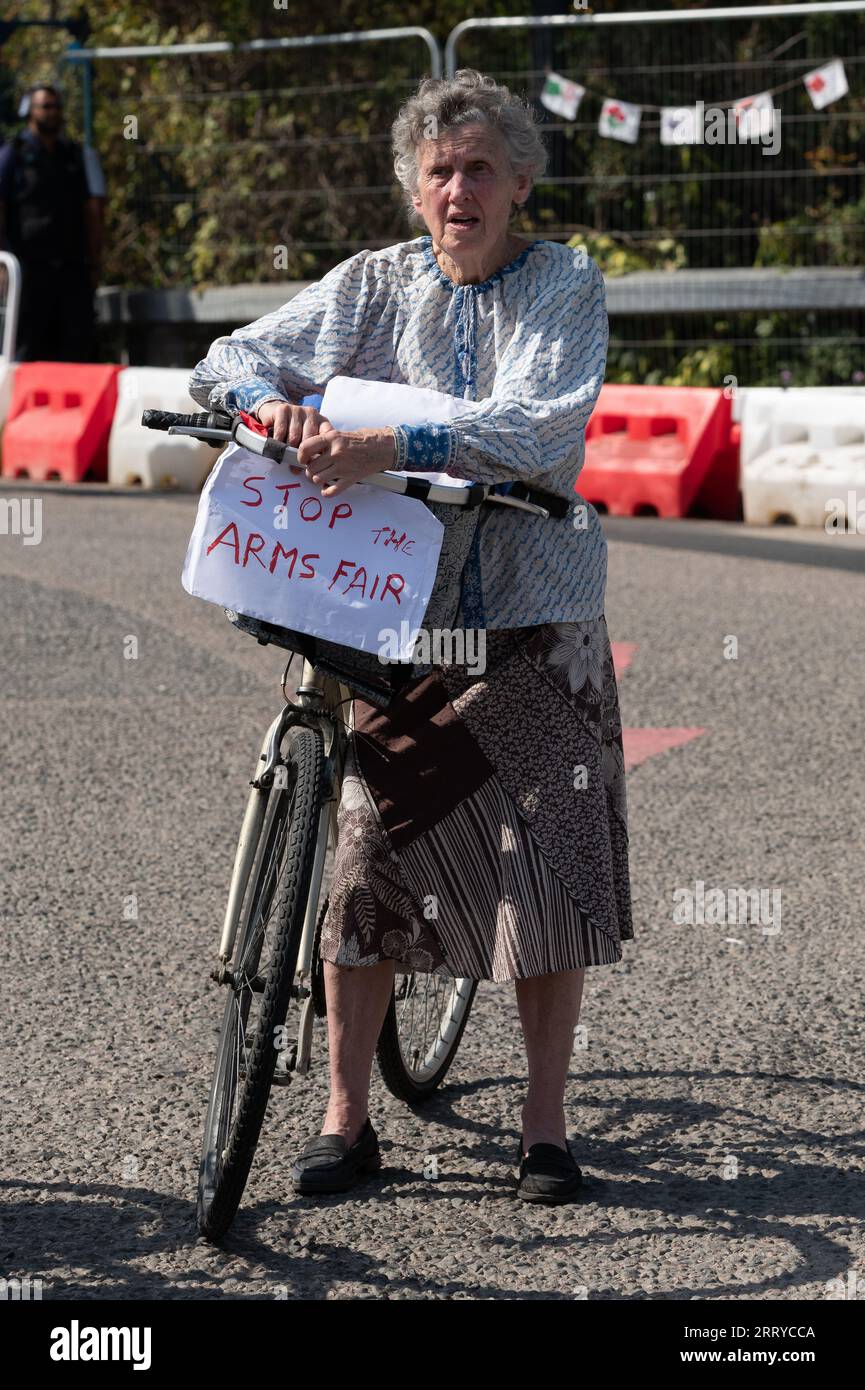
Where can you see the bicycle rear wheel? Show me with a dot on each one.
(421, 1032)
(261, 982)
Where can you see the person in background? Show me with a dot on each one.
(52, 198)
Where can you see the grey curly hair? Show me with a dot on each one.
(441, 104)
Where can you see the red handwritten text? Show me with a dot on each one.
(273, 556)
(311, 509)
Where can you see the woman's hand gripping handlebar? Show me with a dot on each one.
(217, 428)
(333, 458)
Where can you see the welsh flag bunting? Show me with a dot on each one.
(620, 120)
(755, 116)
(561, 96)
(679, 125)
(826, 84)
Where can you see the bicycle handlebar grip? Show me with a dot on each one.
(164, 419)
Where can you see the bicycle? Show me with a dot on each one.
(268, 957)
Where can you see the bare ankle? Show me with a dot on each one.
(543, 1126)
(347, 1120)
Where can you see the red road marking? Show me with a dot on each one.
(622, 656)
(622, 653)
(642, 744)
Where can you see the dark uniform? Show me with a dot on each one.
(44, 192)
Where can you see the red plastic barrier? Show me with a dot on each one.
(720, 495)
(59, 421)
(666, 450)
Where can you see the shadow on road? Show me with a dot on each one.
(100, 1232)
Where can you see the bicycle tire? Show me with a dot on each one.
(408, 1082)
(226, 1157)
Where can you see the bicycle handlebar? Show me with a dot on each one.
(165, 419)
(216, 428)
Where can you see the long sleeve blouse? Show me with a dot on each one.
(529, 343)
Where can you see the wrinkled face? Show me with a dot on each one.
(466, 174)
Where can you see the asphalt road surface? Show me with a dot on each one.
(717, 1108)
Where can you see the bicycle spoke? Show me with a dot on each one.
(421, 1034)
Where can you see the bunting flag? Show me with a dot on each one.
(751, 118)
(561, 96)
(826, 84)
(755, 116)
(620, 120)
(679, 125)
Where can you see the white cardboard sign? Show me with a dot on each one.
(267, 544)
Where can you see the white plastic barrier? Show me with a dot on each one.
(10, 296)
(152, 458)
(763, 404)
(7, 372)
(802, 455)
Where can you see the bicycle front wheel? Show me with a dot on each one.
(421, 1032)
(261, 982)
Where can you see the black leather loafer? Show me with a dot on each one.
(329, 1164)
(547, 1174)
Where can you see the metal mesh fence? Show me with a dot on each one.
(707, 207)
(253, 166)
(257, 166)
(722, 204)
(770, 349)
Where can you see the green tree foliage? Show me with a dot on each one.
(273, 166)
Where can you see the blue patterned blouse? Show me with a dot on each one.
(530, 342)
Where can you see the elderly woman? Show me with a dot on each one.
(498, 797)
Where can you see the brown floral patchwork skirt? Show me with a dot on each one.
(483, 819)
